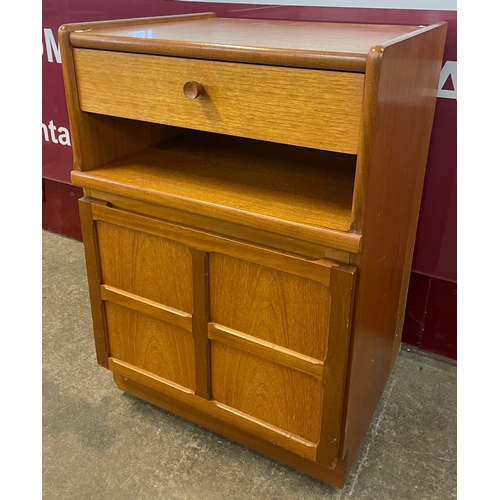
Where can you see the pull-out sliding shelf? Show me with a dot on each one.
(297, 192)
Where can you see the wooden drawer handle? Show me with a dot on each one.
(193, 90)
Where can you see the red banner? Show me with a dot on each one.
(435, 253)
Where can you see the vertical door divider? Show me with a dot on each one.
(342, 285)
(200, 322)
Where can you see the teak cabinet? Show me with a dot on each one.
(252, 191)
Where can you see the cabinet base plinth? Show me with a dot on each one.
(335, 477)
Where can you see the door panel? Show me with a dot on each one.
(287, 310)
(155, 268)
(158, 347)
(276, 394)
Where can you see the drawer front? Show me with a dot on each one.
(302, 107)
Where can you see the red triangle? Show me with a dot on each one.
(448, 84)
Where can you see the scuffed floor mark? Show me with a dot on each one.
(66, 413)
(373, 433)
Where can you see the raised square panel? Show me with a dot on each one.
(148, 266)
(152, 345)
(281, 308)
(275, 394)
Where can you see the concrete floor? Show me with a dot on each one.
(99, 443)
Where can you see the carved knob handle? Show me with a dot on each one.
(193, 90)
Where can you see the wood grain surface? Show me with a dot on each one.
(316, 270)
(232, 230)
(94, 279)
(152, 345)
(201, 313)
(149, 307)
(271, 446)
(342, 290)
(281, 396)
(236, 98)
(396, 133)
(213, 292)
(295, 192)
(249, 426)
(151, 267)
(271, 305)
(266, 350)
(341, 46)
(98, 139)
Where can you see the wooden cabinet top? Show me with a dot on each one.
(340, 46)
(382, 82)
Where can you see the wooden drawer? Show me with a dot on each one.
(302, 107)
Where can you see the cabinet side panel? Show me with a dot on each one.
(402, 80)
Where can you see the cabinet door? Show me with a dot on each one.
(245, 334)
(279, 344)
(269, 332)
(142, 299)
(147, 288)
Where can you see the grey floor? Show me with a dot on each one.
(99, 443)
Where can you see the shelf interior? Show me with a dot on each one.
(200, 171)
